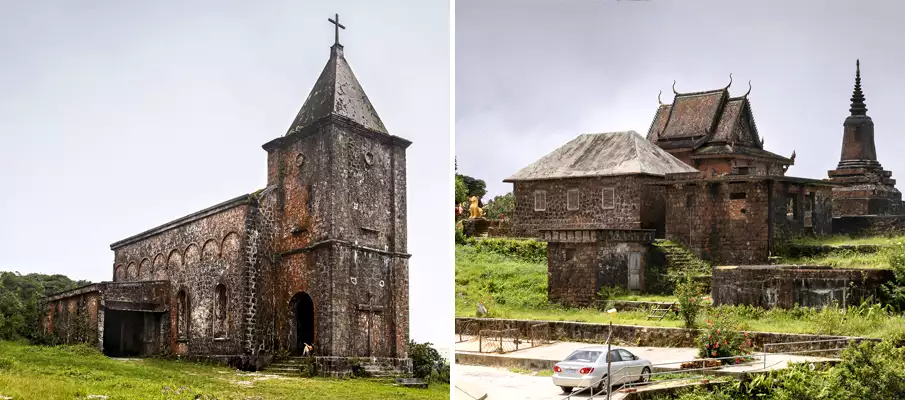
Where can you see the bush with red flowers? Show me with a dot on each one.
(721, 339)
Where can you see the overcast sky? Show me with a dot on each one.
(531, 75)
(116, 117)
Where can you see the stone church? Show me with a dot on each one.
(316, 257)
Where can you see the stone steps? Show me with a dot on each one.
(302, 366)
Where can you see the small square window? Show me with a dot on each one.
(572, 199)
(609, 198)
(540, 200)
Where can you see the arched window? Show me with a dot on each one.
(220, 312)
(182, 314)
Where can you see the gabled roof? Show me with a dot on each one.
(603, 154)
(338, 92)
(709, 123)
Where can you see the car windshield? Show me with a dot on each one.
(584, 356)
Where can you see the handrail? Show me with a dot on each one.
(752, 362)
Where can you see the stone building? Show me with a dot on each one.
(714, 133)
(591, 201)
(865, 187)
(317, 257)
(737, 219)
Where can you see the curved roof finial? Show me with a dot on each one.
(730, 82)
(749, 90)
(658, 98)
(674, 87)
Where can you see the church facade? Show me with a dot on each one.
(316, 258)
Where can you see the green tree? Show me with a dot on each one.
(500, 205)
(476, 187)
(461, 190)
(20, 302)
(427, 363)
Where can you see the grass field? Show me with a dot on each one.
(517, 289)
(843, 259)
(836, 240)
(75, 372)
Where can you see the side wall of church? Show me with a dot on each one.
(204, 262)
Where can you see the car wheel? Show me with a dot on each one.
(566, 389)
(645, 375)
(601, 387)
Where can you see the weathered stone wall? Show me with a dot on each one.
(341, 240)
(730, 222)
(791, 286)
(73, 318)
(580, 262)
(629, 192)
(196, 254)
(868, 225)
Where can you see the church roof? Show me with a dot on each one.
(709, 123)
(603, 154)
(337, 92)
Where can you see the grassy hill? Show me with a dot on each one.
(75, 372)
(515, 287)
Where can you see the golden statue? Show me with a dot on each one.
(473, 210)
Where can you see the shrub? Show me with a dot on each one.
(427, 363)
(528, 250)
(893, 293)
(611, 292)
(688, 293)
(721, 339)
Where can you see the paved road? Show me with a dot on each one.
(500, 384)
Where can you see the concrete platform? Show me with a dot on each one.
(664, 359)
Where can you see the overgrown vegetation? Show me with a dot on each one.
(20, 302)
(69, 372)
(427, 363)
(867, 371)
(500, 207)
(720, 339)
(514, 288)
(690, 298)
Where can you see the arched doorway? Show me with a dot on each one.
(302, 311)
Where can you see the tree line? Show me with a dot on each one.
(21, 302)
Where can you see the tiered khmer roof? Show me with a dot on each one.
(710, 123)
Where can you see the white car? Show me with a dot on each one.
(587, 367)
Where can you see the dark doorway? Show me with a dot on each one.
(123, 333)
(302, 308)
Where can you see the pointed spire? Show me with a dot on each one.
(337, 92)
(858, 106)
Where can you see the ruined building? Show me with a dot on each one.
(714, 133)
(316, 257)
(866, 188)
(590, 200)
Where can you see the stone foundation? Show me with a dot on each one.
(869, 225)
(785, 286)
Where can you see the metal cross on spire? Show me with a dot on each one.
(337, 27)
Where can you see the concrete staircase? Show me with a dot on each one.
(293, 366)
(680, 259)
